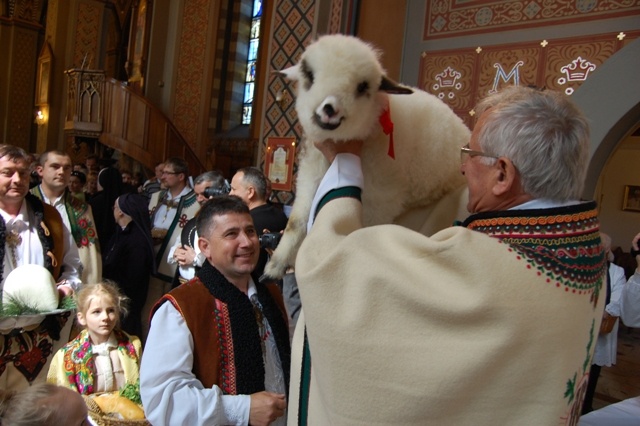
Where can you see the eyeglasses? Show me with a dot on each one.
(465, 150)
(164, 172)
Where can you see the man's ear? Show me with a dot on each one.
(40, 170)
(204, 246)
(506, 177)
(252, 192)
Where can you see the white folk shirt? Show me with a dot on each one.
(164, 216)
(109, 374)
(171, 393)
(58, 203)
(630, 301)
(30, 250)
(187, 271)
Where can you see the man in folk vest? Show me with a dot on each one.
(185, 251)
(170, 209)
(54, 169)
(222, 336)
(31, 232)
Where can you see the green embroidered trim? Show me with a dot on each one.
(82, 229)
(561, 244)
(305, 383)
(181, 219)
(347, 191)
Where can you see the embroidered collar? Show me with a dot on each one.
(562, 243)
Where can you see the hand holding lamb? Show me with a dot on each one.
(411, 140)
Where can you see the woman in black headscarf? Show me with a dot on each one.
(129, 259)
(109, 188)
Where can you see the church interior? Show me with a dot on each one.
(144, 80)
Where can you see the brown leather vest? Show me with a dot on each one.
(54, 226)
(197, 306)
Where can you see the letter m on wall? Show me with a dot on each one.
(501, 75)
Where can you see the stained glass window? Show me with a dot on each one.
(254, 41)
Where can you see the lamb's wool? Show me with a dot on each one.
(342, 93)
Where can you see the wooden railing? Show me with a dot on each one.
(124, 120)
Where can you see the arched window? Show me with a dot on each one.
(252, 57)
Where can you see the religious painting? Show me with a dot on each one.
(44, 75)
(138, 45)
(631, 198)
(279, 162)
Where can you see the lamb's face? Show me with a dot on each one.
(338, 80)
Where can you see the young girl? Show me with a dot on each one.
(102, 358)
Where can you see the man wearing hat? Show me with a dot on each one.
(31, 232)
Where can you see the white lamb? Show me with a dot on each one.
(342, 95)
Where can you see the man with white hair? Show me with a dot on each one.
(488, 323)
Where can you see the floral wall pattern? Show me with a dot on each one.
(445, 18)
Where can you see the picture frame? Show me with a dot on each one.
(44, 75)
(279, 159)
(631, 200)
(139, 43)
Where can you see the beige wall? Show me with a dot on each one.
(623, 168)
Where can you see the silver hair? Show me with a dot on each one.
(545, 136)
(215, 177)
(253, 176)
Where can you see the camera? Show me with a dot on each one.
(214, 192)
(270, 240)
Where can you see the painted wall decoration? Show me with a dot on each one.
(293, 26)
(463, 76)
(445, 18)
(87, 35)
(278, 165)
(191, 70)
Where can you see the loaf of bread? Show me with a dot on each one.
(111, 403)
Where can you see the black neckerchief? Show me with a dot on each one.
(244, 329)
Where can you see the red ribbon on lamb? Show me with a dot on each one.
(387, 128)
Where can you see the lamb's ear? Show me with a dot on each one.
(290, 73)
(390, 86)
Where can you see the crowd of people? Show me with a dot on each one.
(492, 321)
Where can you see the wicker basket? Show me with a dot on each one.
(102, 419)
